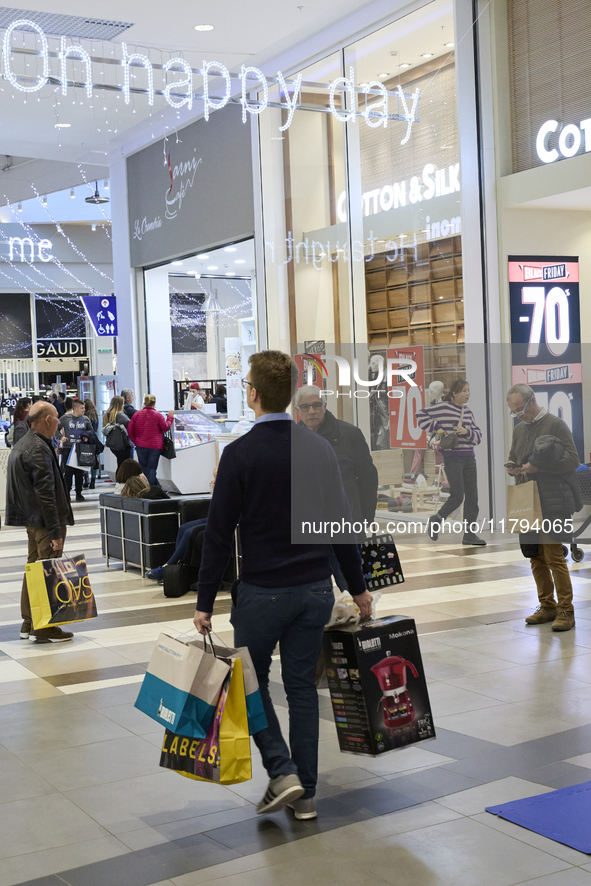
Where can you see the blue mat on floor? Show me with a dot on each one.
(564, 815)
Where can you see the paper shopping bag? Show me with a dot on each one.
(381, 563)
(182, 687)
(257, 719)
(73, 461)
(523, 507)
(59, 591)
(223, 756)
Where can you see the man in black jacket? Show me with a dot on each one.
(36, 497)
(284, 595)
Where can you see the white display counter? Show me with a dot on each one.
(191, 472)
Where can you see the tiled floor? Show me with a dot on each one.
(84, 802)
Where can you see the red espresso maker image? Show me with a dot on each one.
(397, 706)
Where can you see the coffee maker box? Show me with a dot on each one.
(377, 685)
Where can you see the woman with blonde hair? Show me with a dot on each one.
(115, 424)
(147, 429)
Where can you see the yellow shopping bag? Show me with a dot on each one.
(59, 591)
(223, 756)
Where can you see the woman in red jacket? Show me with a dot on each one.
(146, 429)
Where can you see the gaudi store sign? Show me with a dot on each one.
(555, 142)
(377, 107)
(546, 335)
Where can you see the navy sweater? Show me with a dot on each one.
(253, 489)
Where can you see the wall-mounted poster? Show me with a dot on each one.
(546, 335)
(404, 430)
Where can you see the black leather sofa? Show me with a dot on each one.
(141, 532)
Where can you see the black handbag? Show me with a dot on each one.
(168, 450)
(178, 578)
(449, 441)
(86, 455)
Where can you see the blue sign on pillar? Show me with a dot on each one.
(102, 313)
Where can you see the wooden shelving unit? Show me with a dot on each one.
(419, 300)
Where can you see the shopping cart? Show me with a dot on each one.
(584, 480)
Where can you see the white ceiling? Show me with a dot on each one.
(234, 260)
(578, 200)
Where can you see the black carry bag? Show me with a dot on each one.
(86, 455)
(168, 450)
(381, 563)
(178, 578)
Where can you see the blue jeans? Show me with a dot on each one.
(149, 458)
(295, 618)
(183, 537)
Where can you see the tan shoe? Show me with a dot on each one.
(564, 621)
(541, 616)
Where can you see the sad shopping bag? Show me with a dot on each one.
(182, 686)
(59, 591)
(223, 756)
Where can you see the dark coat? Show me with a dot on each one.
(360, 476)
(35, 490)
(560, 496)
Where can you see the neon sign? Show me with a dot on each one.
(377, 100)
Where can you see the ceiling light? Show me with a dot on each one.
(203, 27)
(44, 201)
(239, 261)
(177, 262)
(449, 45)
(62, 125)
(211, 304)
(96, 197)
(212, 267)
(277, 138)
(229, 249)
(106, 183)
(230, 274)
(427, 55)
(20, 207)
(197, 276)
(383, 75)
(93, 227)
(363, 85)
(203, 257)
(72, 194)
(404, 65)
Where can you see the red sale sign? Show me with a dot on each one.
(404, 430)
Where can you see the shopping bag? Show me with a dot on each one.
(86, 455)
(257, 718)
(182, 686)
(523, 506)
(223, 756)
(59, 592)
(72, 461)
(381, 563)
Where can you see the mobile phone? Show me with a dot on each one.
(511, 464)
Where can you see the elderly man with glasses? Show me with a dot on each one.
(543, 450)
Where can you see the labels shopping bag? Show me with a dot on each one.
(381, 563)
(73, 462)
(257, 718)
(223, 756)
(59, 591)
(523, 506)
(182, 687)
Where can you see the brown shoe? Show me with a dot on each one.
(50, 635)
(541, 616)
(564, 621)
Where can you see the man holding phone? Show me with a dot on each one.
(36, 497)
(543, 450)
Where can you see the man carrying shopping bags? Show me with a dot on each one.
(36, 497)
(284, 595)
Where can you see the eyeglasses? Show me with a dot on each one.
(245, 382)
(520, 411)
(307, 407)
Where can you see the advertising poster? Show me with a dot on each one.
(404, 430)
(546, 335)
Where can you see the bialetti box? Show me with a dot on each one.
(377, 685)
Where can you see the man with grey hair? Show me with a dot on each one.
(543, 451)
(36, 497)
(128, 398)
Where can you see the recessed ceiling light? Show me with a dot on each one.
(62, 125)
(212, 267)
(449, 45)
(427, 55)
(203, 27)
(363, 85)
(404, 65)
(383, 75)
(230, 274)
(177, 262)
(203, 257)
(229, 249)
(239, 261)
